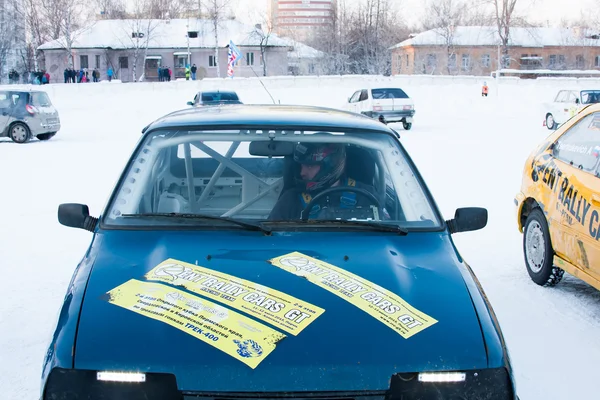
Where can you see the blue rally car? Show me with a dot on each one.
(268, 252)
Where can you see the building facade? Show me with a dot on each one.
(152, 44)
(302, 19)
(477, 51)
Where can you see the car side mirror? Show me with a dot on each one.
(76, 216)
(190, 103)
(576, 101)
(468, 219)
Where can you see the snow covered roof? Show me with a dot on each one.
(519, 37)
(300, 50)
(117, 34)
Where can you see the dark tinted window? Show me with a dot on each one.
(590, 96)
(393, 93)
(580, 145)
(216, 96)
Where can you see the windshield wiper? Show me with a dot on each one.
(247, 225)
(374, 226)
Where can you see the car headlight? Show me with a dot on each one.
(76, 384)
(488, 384)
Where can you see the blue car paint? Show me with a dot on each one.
(431, 263)
(61, 350)
(344, 349)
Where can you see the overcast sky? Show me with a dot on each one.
(550, 11)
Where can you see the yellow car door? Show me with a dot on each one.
(577, 238)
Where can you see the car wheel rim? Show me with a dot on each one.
(550, 120)
(19, 133)
(535, 247)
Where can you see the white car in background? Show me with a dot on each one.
(385, 104)
(566, 104)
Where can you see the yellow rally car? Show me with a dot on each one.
(558, 207)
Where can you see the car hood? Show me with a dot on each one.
(343, 347)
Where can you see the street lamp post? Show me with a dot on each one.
(188, 42)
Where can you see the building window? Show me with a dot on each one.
(562, 62)
(485, 60)
(452, 61)
(579, 62)
(212, 61)
(431, 62)
(180, 61)
(466, 62)
(97, 60)
(249, 58)
(399, 62)
(83, 61)
(407, 60)
(552, 62)
(124, 62)
(597, 62)
(311, 68)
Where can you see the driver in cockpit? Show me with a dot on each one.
(323, 166)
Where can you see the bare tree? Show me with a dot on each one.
(217, 11)
(164, 9)
(504, 11)
(112, 9)
(32, 13)
(12, 35)
(374, 27)
(443, 16)
(64, 19)
(139, 31)
(263, 29)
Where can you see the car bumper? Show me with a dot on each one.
(392, 116)
(42, 127)
(518, 200)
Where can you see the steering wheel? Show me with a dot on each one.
(359, 191)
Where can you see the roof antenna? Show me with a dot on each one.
(261, 82)
(263, 85)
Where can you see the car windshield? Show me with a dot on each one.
(590, 96)
(274, 177)
(219, 97)
(393, 93)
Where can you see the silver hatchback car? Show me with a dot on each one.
(26, 114)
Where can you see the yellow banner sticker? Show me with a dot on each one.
(283, 311)
(237, 335)
(385, 306)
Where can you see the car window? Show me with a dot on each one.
(355, 96)
(40, 100)
(580, 145)
(560, 97)
(179, 172)
(5, 101)
(219, 96)
(364, 95)
(590, 96)
(392, 93)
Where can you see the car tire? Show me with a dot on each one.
(538, 250)
(46, 136)
(407, 125)
(550, 122)
(19, 133)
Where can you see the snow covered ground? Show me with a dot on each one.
(469, 149)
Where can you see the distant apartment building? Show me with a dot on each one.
(301, 19)
(476, 50)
